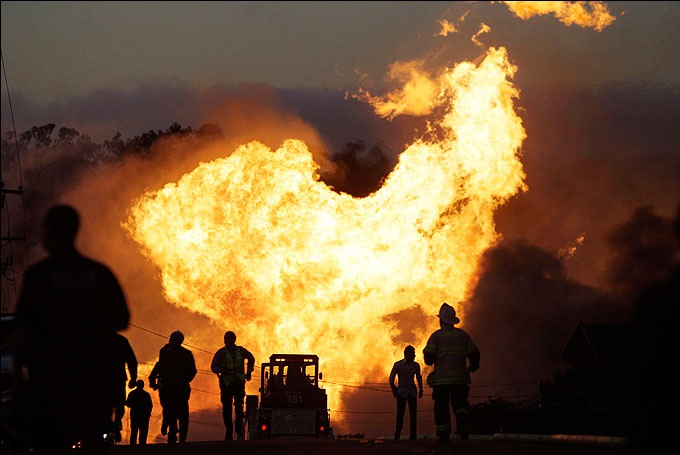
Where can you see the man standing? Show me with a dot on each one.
(68, 312)
(229, 365)
(140, 404)
(171, 376)
(407, 371)
(124, 356)
(454, 355)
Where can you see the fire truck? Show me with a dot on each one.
(291, 402)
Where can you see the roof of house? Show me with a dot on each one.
(603, 346)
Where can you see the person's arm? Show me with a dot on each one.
(251, 364)
(132, 365)
(419, 379)
(153, 377)
(132, 383)
(119, 314)
(191, 372)
(393, 375)
(216, 364)
(430, 351)
(25, 307)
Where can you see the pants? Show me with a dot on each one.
(232, 395)
(61, 412)
(412, 415)
(175, 403)
(119, 407)
(138, 425)
(456, 396)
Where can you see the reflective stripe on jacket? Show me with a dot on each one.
(233, 368)
(451, 347)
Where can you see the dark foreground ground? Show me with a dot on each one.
(476, 446)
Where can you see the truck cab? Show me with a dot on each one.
(292, 404)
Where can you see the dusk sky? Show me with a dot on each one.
(59, 54)
(599, 102)
(54, 51)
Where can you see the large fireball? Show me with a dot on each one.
(258, 243)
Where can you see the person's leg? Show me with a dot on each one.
(119, 412)
(461, 408)
(48, 427)
(164, 413)
(413, 416)
(239, 396)
(401, 409)
(226, 398)
(183, 417)
(143, 431)
(172, 416)
(134, 430)
(442, 416)
(96, 420)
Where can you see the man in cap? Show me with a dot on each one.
(171, 376)
(454, 355)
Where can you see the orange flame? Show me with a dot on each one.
(446, 28)
(584, 14)
(570, 250)
(258, 244)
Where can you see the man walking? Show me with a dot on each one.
(407, 372)
(68, 312)
(171, 376)
(140, 404)
(229, 365)
(454, 355)
(124, 356)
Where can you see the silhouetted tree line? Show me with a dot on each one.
(110, 150)
(362, 167)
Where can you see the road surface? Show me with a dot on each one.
(474, 446)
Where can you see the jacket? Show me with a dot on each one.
(450, 349)
(175, 368)
(230, 367)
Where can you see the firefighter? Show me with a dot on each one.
(454, 355)
(171, 376)
(229, 365)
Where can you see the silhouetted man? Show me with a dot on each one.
(140, 404)
(229, 365)
(123, 355)
(450, 349)
(171, 376)
(69, 309)
(407, 372)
